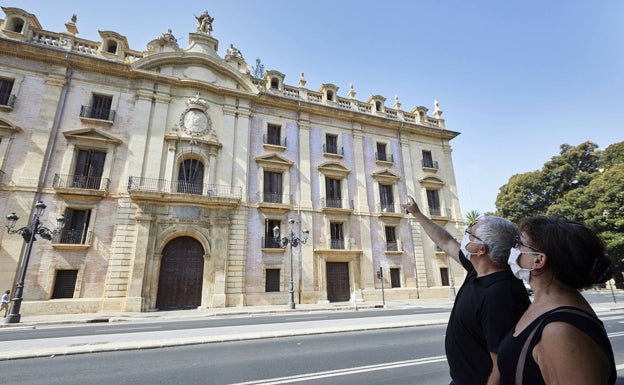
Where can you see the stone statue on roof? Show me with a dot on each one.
(204, 22)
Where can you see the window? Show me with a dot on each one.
(337, 236)
(111, 46)
(269, 241)
(191, 177)
(381, 152)
(15, 24)
(272, 280)
(6, 86)
(378, 106)
(274, 134)
(76, 226)
(330, 95)
(444, 276)
(386, 196)
(331, 144)
(333, 193)
(391, 240)
(272, 187)
(427, 160)
(395, 277)
(65, 284)
(433, 200)
(100, 108)
(89, 169)
(275, 83)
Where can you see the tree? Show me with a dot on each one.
(581, 184)
(257, 71)
(472, 217)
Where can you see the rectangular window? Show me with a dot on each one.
(65, 284)
(386, 196)
(76, 226)
(444, 276)
(337, 236)
(89, 169)
(433, 200)
(333, 192)
(331, 144)
(6, 86)
(381, 152)
(391, 240)
(272, 280)
(395, 277)
(427, 159)
(274, 134)
(272, 187)
(269, 240)
(101, 107)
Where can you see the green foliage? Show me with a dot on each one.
(581, 184)
(472, 217)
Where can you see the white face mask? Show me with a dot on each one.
(517, 270)
(465, 241)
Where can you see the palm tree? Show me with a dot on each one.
(472, 217)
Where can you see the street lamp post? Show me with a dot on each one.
(293, 241)
(28, 233)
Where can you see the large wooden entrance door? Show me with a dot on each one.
(181, 275)
(338, 282)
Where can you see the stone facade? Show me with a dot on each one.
(173, 167)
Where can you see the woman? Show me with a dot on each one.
(559, 339)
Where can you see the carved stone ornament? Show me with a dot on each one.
(194, 121)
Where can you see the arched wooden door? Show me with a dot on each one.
(181, 275)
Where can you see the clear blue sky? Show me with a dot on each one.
(517, 78)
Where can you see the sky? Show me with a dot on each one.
(517, 78)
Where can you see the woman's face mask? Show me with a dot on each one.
(517, 270)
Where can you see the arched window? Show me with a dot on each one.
(191, 177)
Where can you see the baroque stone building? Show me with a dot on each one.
(174, 167)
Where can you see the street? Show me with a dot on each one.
(315, 348)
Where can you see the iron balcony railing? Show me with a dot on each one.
(273, 140)
(7, 99)
(337, 244)
(136, 183)
(97, 113)
(390, 208)
(439, 212)
(333, 150)
(81, 181)
(271, 197)
(271, 243)
(337, 203)
(392, 246)
(430, 163)
(384, 157)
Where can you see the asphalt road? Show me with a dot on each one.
(412, 355)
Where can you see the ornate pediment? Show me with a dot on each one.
(334, 169)
(386, 175)
(91, 135)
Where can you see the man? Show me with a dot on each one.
(489, 302)
(5, 302)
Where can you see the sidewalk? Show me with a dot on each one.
(46, 347)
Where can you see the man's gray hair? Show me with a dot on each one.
(499, 234)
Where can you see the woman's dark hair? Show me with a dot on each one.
(575, 253)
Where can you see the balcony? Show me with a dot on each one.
(7, 101)
(337, 204)
(72, 239)
(384, 157)
(273, 141)
(393, 246)
(182, 192)
(333, 151)
(430, 165)
(275, 201)
(81, 185)
(271, 243)
(98, 114)
(337, 244)
(439, 212)
(390, 210)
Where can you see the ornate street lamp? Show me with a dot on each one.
(293, 241)
(28, 233)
